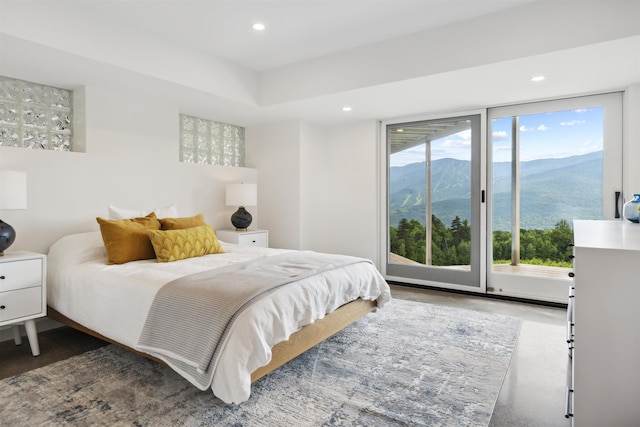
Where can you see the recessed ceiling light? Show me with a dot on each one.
(259, 26)
(346, 108)
(537, 79)
(399, 130)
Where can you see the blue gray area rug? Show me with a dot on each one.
(411, 363)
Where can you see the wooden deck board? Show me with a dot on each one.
(533, 270)
(521, 269)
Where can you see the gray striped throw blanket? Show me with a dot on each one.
(190, 317)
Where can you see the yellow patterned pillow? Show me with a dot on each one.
(174, 245)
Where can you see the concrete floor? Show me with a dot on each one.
(533, 393)
(55, 344)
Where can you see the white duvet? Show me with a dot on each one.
(113, 300)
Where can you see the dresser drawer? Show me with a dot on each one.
(20, 303)
(20, 274)
(253, 239)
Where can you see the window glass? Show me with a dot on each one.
(208, 142)
(35, 116)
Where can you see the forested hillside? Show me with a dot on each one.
(451, 244)
(551, 190)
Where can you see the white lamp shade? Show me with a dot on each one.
(242, 195)
(13, 190)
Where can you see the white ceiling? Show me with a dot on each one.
(128, 44)
(297, 30)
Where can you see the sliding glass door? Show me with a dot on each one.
(433, 201)
(485, 201)
(549, 163)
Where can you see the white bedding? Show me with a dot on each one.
(113, 300)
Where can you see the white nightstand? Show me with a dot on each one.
(23, 293)
(259, 238)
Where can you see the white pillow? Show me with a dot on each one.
(170, 211)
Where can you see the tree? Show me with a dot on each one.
(562, 237)
(452, 246)
(456, 229)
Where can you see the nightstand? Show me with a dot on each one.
(23, 293)
(258, 238)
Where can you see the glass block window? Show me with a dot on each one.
(208, 142)
(35, 116)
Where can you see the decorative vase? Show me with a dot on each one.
(7, 236)
(631, 209)
(241, 219)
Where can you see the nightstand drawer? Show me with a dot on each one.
(20, 274)
(253, 239)
(258, 238)
(20, 303)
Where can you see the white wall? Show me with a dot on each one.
(131, 161)
(274, 150)
(317, 186)
(340, 199)
(314, 181)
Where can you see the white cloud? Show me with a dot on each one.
(460, 139)
(497, 148)
(590, 146)
(573, 123)
(500, 135)
(540, 128)
(456, 143)
(412, 155)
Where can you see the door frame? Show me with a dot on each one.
(487, 283)
(549, 289)
(478, 187)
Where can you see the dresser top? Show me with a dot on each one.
(19, 255)
(614, 234)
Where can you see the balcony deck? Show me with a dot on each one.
(521, 269)
(533, 270)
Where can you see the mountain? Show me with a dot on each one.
(550, 189)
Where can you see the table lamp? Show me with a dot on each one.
(241, 195)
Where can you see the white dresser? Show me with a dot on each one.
(606, 337)
(23, 293)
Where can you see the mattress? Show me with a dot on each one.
(113, 300)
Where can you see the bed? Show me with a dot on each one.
(115, 301)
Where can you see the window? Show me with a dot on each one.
(35, 116)
(485, 202)
(208, 142)
(550, 162)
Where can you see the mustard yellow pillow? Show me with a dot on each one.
(126, 239)
(174, 245)
(181, 223)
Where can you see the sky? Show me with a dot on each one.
(542, 136)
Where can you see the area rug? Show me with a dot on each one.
(409, 363)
